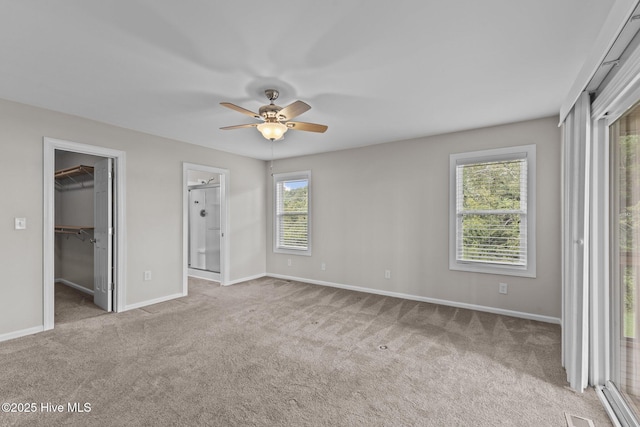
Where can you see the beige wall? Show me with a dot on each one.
(154, 208)
(387, 207)
(374, 208)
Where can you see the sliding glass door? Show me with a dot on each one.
(625, 266)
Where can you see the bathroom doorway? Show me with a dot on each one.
(205, 220)
(204, 224)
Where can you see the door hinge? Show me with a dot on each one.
(111, 286)
(111, 231)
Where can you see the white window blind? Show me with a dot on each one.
(291, 231)
(493, 211)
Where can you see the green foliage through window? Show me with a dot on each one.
(292, 212)
(492, 212)
(629, 225)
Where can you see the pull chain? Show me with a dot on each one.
(271, 166)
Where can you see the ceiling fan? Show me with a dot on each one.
(275, 119)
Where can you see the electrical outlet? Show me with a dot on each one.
(289, 262)
(147, 275)
(323, 266)
(502, 288)
(20, 223)
(387, 274)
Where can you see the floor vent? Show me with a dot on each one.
(576, 421)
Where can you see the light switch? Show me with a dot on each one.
(21, 223)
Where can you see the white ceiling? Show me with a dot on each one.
(373, 71)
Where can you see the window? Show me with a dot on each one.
(492, 208)
(292, 230)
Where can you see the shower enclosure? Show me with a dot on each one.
(204, 227)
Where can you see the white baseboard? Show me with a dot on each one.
(180, 295)
(504, 312)
(75, 286)
(24, 332)
(245, 279)
(152, 301)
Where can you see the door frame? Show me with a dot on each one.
(621, 92)
(224, 221)
(119, 244)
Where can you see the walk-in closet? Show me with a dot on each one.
(74, 236)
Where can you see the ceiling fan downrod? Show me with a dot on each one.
(271, 94)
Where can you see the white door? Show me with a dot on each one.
(103, 235)
(212, 235)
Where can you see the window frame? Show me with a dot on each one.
(283, 177)
(527, 152)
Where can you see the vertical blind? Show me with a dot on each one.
(491, 208)
(292, 214)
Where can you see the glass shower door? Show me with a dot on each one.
(204, 228)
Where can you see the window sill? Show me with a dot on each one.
(493, 269)
(292, 251)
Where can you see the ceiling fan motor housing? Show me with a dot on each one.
(270, 111)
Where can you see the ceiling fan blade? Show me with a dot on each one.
(309, 127)
(241, 110)
(250, 125)
(293, 110)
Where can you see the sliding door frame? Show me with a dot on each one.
(621, 93)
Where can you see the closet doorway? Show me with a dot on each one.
(83, 245)
(83, 230)
(205, 222)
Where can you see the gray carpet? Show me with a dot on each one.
(274, 353)
(72, 305)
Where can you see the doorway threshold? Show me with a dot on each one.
(204, 274)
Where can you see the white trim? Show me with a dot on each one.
(50, 146)
(21, 333)
(611, 29)
(225, 238)
(599, 256)
(493, 310)
(74, 286)
(152, 301)
(245, 279)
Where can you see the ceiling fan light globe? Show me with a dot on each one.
(272, 131)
